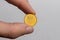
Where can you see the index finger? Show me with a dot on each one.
(23, 5)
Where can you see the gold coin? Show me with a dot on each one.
(30, 19)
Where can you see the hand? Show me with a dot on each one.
(14, 30)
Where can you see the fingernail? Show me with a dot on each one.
(29, 29)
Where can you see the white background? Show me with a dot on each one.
(48, 14)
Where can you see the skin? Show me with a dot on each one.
(14, 30)
(23, 5)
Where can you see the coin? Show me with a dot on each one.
(30, 19)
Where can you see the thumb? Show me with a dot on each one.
(20, 29)
(23, 5)
(14, 30)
